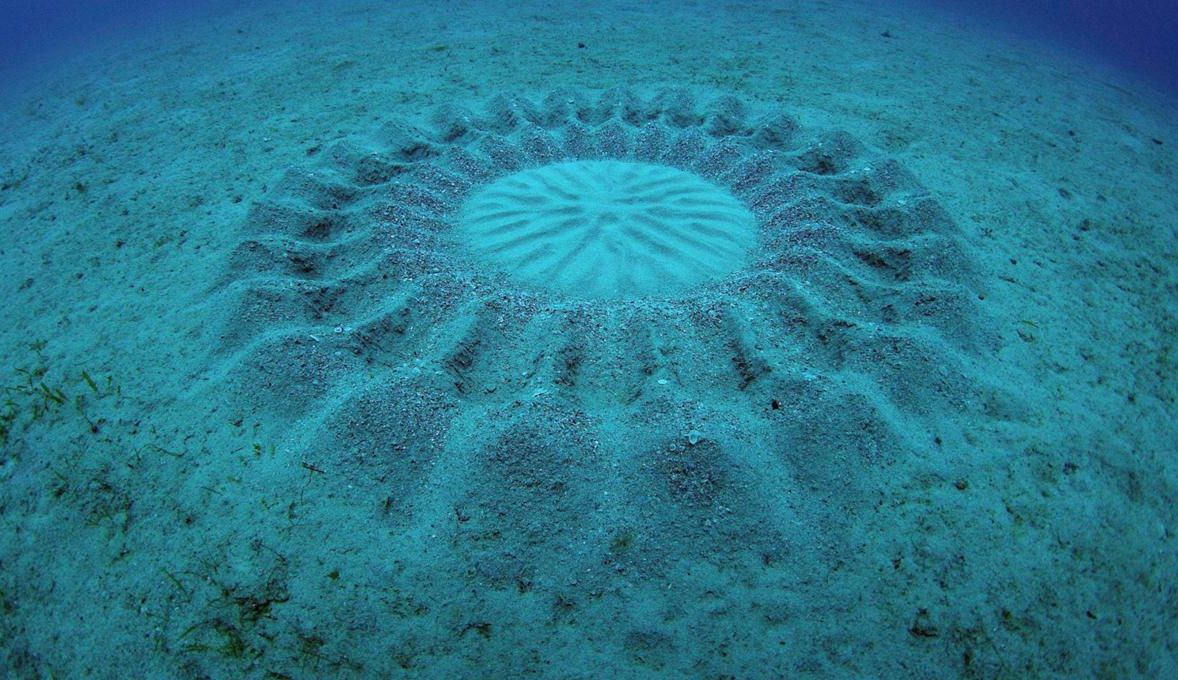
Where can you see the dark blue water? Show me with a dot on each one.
(34, 32)
(1134, 35)
(1140, 36)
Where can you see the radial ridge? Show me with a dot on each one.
(639, 331)
(607, 229)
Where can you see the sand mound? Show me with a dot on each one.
(696, 309)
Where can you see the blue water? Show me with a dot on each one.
(1135, 35)
(1140, 36)
(33, 32)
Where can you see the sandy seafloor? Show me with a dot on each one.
(187, 516)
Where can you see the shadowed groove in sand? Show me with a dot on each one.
(607, 229)
(504, 314)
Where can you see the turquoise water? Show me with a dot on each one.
(764, 340)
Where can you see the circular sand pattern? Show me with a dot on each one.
(607, 229)
(461, 320)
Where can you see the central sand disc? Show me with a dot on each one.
(607, 229)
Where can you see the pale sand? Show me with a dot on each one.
(631, 489)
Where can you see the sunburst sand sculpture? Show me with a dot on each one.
(578, 320)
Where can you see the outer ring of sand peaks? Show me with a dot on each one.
(440, 373)
(606, 229)
(444, 246)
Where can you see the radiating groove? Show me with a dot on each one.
(607, 229)
(663, 252)
(525, 239)
(557, 190)
(770, 297)
(689, 240)
(506, 227)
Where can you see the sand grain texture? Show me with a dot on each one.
(910, 415)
